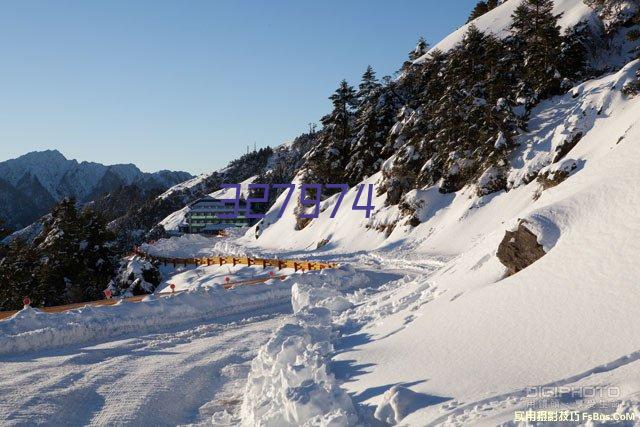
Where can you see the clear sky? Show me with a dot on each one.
(187, 85)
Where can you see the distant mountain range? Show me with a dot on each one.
(31, 184)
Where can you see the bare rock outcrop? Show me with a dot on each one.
(519, 249)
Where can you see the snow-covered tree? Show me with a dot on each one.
(378, 106)
(462, 122)
(17, 278)
(76, 252)
(326, 162)
(71, 260)
(368, 85)
(422, 47)
(538, 38)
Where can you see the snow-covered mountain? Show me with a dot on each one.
(152, 217)
(530, 286)
(486, 317)
(31, 184)
(469, 304)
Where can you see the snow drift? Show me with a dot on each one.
(31, 329)
(290, 383)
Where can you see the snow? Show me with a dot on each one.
(419, 326)
(290, 382)
(195, 278)
(475, 341)
(397, 403)
(563, 118)
(197, 246)
(188, 374)
(498, 21)
(31, 329)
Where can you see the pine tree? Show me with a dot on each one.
(4, 231)
(421, 49)
(17, 278)
(326, 162)
(97, 255)
(367, 86)
(344, 100)
(480, 9)
(59, 242)
(77, 260)
(537, 35)
(462, 123)
(378, 106)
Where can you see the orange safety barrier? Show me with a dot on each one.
(221, 260)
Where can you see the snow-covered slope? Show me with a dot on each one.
(597, 110)
(438, 333)
(498, 20)
(475, 340)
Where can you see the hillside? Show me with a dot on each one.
(154, 217)
(481, 341)
(417, 178)
(496, 277)
(479, 329)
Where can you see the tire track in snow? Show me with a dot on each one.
(169, 378)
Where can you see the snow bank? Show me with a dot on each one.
(327, 297)
(290, 383)
(326, 289)
(31, 329)
(397, 403)
(197, 246)
(193, 278)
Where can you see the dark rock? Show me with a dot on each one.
(550, 180)
(519, 249)
(414, 221)
(386, 228)
(563, 149)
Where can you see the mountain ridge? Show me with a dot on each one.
(33, 182)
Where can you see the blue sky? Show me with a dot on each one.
(189, 84)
